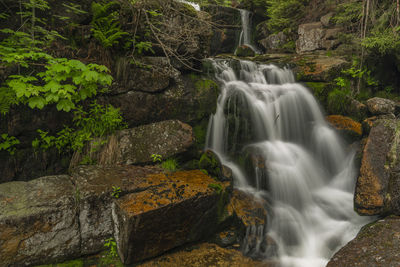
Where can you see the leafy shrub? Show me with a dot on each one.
(284, 15)
(97, 122)
(105, 25)
(170, 165)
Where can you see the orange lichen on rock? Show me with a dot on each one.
(347, 124)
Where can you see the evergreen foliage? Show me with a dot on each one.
(284, 15)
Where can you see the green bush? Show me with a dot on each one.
(284, 15)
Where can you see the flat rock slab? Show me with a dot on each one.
(179, 208)
(38, 221)
(376, 245)
(136, 145)
(206, 254)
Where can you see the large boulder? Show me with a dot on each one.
(310, 37)
(38, 221)
(380, 106)
(177, 208)
(376, 245)
(93, 190)
(137, 145)
(377, 186)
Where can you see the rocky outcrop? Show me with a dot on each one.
(313, 36)
(176, 209)
(377, 186)
(376, 245)
(274, 41)
(381, 106)
(55, 218)
(38, 221)
(318, 68)
(188, 98)
(226, 34)
(137, 145)
(310, 37)
(346, 126)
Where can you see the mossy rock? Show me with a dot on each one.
(244, 51)
(210, 163)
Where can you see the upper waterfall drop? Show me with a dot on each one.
(271, 132)
(245, 35)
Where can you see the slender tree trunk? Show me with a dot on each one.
(397, 12)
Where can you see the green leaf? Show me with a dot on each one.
(36, 102)
(65, 105)
(52, 86)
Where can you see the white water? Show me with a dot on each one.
(308, 177)
(245, 35)
(194, 5)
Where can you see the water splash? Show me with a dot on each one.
(292, 158)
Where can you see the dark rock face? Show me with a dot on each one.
(188, 98)
(380, 106)
(377, 190)
(226, 35)
(38, 221)
(175, 209)
(376, 245)
(137, 145)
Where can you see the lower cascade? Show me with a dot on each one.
(271, 132)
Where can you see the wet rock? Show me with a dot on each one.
(244, 51)
(137, 145)
(379, 106)
(379, 165)
(38, 221)
(210, 162)
(181, 208)
(310, 37)
(274, 41)
(250, 218)
(248, 210)
(377, 244)
(206, 254)
(346, 126)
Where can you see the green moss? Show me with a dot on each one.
(338, 100)
(210, 163)
(320, 90)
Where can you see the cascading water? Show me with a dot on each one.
(297, 162)
(245, 35)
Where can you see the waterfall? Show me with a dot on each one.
(245, 35)
(271, 132)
